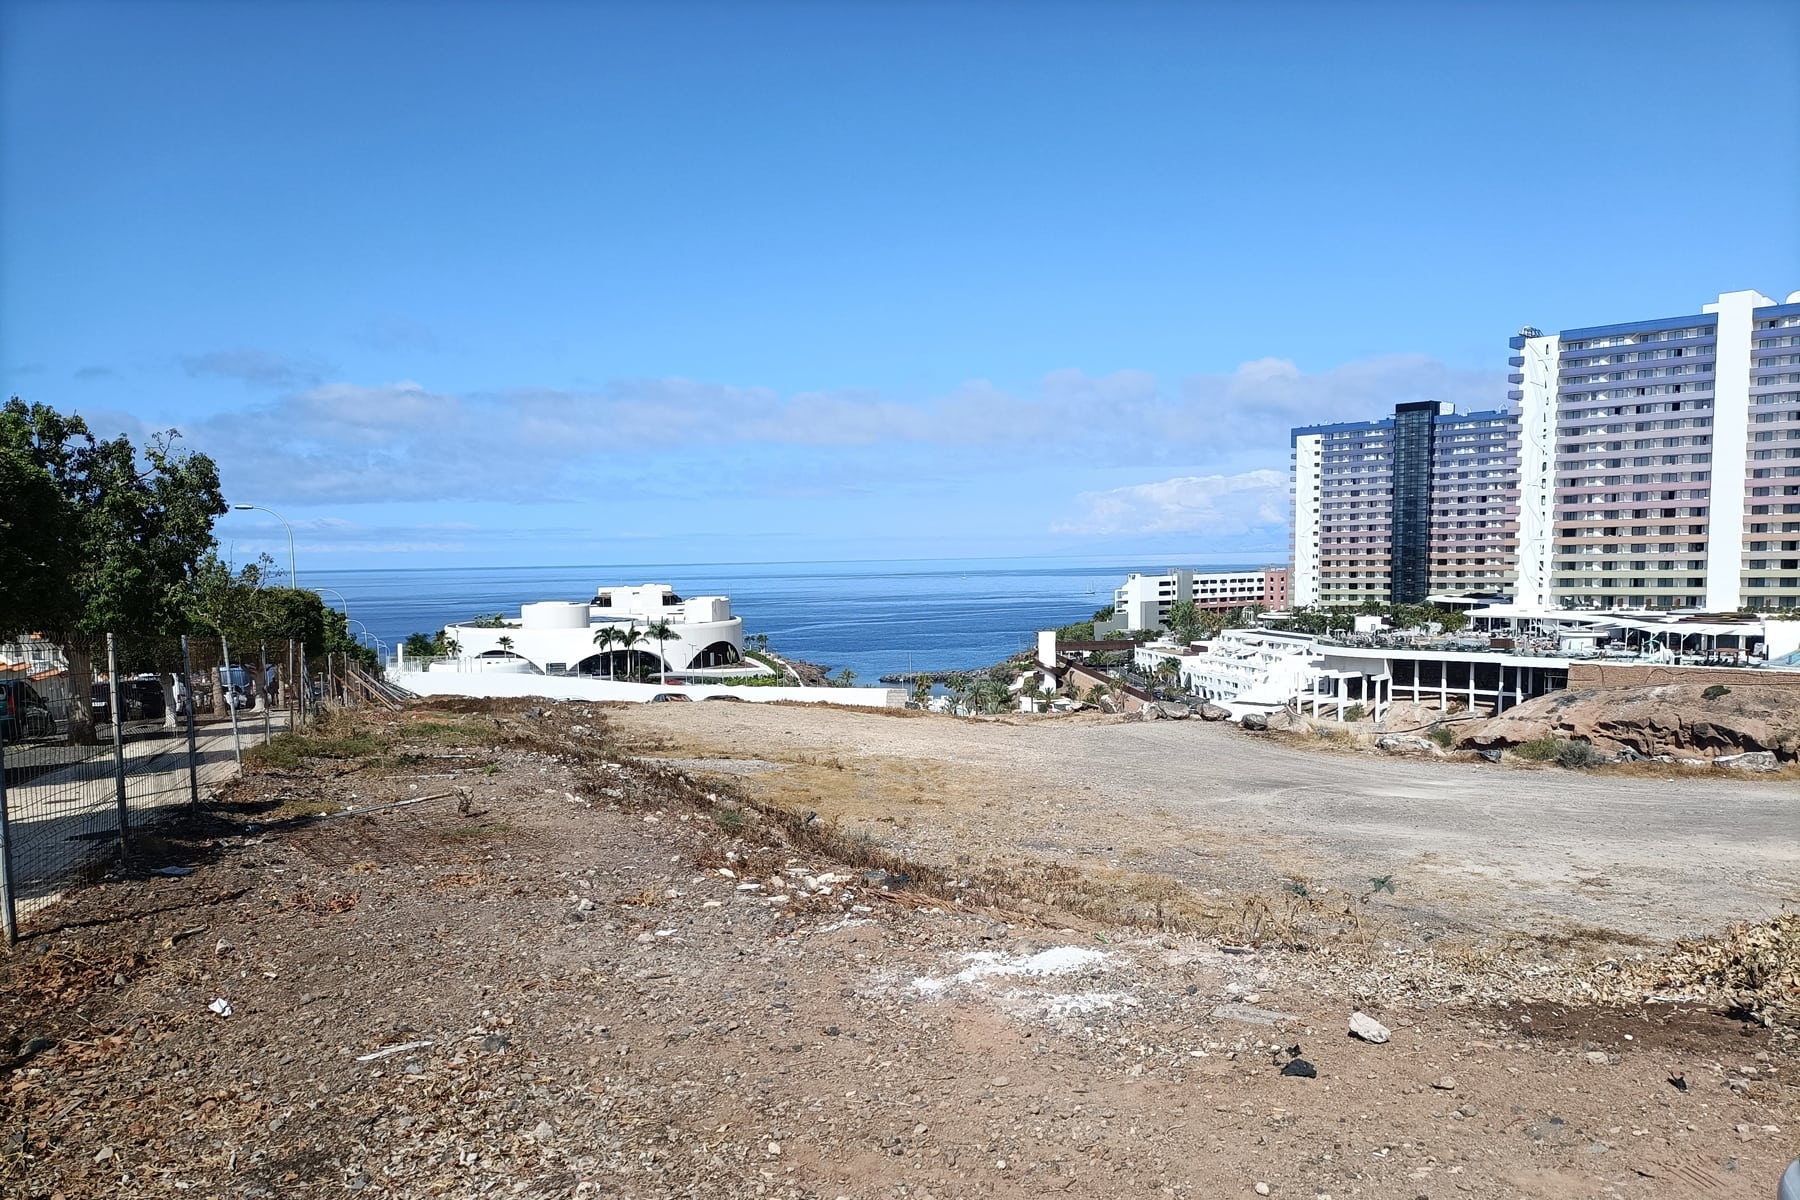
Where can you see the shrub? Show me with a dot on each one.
(1715, 691)
(1537, 749)
(1442, 735)
(1353, 713)
(1577, 755)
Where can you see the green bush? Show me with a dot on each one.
(1577, 755)
(1442, 735)
(1354, 713)
(1715, 691)
(1536, 750)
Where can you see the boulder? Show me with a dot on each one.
(1212, 712)
(1755, 760)
(1257, 722)
(1405, 743)
(1650, 722)
(1492, 756)
(1367, 1028)
(1173, 711)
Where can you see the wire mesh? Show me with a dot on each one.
(108, 738)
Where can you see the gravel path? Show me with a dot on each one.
(1470, 845)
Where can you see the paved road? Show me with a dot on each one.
(64, 816)
(1470, 845)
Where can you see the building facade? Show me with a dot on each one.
(1395, 510)
(1647, 465)
(558, 637)
(1143, 601)
(1678, 460)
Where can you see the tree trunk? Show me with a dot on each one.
(218, 691)
(81, 696)
(167, 681)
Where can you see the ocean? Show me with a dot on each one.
(875, 618)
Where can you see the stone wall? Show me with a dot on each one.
(1593, 675)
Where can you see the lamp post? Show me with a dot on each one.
(293, 575)
(340, 600)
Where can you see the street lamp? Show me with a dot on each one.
(293, 576)
(341, 600)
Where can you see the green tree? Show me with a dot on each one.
(922, 690)
(506, 643)
(420, 645)
(132, 526)
(626, 639)
(845, 678)
(1184, 621)
(1103, 614)
(660, 631)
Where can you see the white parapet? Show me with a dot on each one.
(558, 687)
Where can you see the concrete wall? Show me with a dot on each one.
(1591, 675)
(556, 687)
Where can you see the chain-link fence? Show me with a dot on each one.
(103, 739)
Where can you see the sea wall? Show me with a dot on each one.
(558, 687)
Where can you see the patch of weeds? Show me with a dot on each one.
(1577, 756)
(1715, 691)
(1382, 883)
(731, 820)
(491, 769)
(1355, 712)
(1536, 750)
(1443, 735)
(285, 750)
(1298, 887)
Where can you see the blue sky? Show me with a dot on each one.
(557, 283)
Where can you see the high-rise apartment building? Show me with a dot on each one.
(1646, 465)
(1423, 502)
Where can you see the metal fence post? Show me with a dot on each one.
(262, 688)
(7, 909)
(230, 702)
(187, 681)
(118, 732)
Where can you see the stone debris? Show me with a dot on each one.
(1250, 1014)
(1368, 1028)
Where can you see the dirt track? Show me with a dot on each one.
(1471, 846)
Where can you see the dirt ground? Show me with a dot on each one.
(737, 950)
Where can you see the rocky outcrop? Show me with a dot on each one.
(1677, 719)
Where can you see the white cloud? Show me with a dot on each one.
(347, 442)
(1212, 504)
(258, 368)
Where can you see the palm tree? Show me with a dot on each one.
(604, 638)
(626, 639)
(506, 644)
(662, 631)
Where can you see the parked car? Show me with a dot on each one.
(723, 696)
(140, 698)
(24, 713)
(666, 697)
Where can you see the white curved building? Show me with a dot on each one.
(558, 637)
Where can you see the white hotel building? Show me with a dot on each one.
(1646, 465)
(556, 637)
